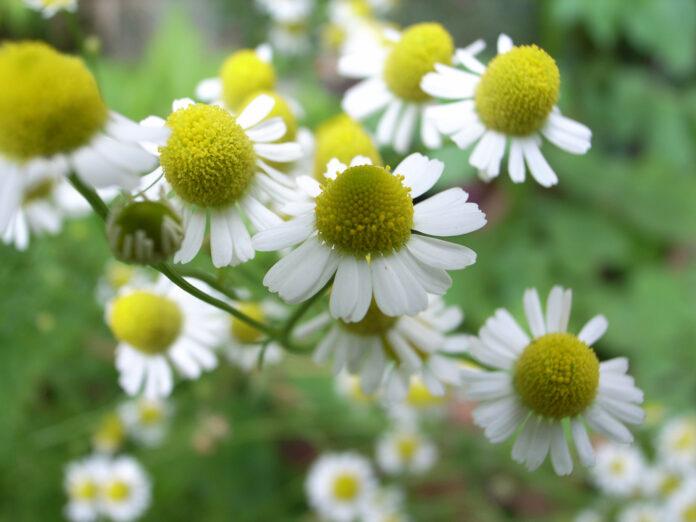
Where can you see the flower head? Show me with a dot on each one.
(50, 7)
(405, 450)
(618, 469)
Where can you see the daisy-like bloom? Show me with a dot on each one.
(662, 481)
(216, 165)
(618, 470)
(641, 512)
(513, 99)
(391, 75)
(682, 506)
(49, 8)
(291, 39)
(109, 435)
(386, 505)
(676, 443)
(53, 120)
(82, 482)
(158, 325)
(146, 420)
(405, 450)
(118, 275)
(363, 226)
(287, 11)
(243, 74)
(548, 380)
(125, 490)
(339, 485)
(244, 343)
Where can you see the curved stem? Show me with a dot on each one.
(90, 195)
(208, 279)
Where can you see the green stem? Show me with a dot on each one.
(302, 309)
(209, 279)
(90, 195)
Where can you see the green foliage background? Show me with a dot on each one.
(620, 229)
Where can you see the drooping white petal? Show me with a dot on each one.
(539, 446)
(395, 290)
(429, 134)
(243, 249)
(221, 248)
(387, 123)
(405, 129)
(521, 447)
(352, 289)
(451, 117)
(560, 454)
(567, 134)
(540, 169)
(516, 162)
(269, 130)
(468, 134)
(194, 232)
(420, 173)
(448, 214)
(489, 153)
(434, 280)
(373, 369)
(602, 422)
(440, 254)
(260, 216)
(257, 110)
(286, 234)
(449, 83)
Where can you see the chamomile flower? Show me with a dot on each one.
(405, 450)
(641, 512)
(49, 8)
(215, 163)
(676, 444)
(387, 350)
(682, 506)
(118, 275)
(541, 383)
(157, 326)
(110, 434)
(339, 485)
(618, 470)
(124, 490)
(287, 11)
(82, 482)
(53, 120)
(245, 343)
(363, 226)
(391, 75)
(513, 99)
(662, 481)
(146, 420)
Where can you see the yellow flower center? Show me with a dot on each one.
(365, 210)
(49, 102)
(374, 323)
(346, 487)
(209, 160)
(419, 396)
(119, 274)
(407, 446)
(355, 390)
(617, 467)
(687, 439)
(557, 375)
(342, 138)
(110, 433)
(689, 514)
(117, 491)
(84, 490)
(150, 413)
(243, 74)
(420, 48)
(148, 322)
(39, 191)
(518, 91)
(244, 332)
(669, 484)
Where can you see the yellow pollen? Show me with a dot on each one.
(518, 90)
(148, 322)
(150, 413)
(342, 138)
(49, 102)
(420, 48)
(557, 375)
(244, 332)
(346, 487)
(209, 160)
(84, 490)
(244, 74)
(117, 491)
(407, 446)
(366, 210)
(374, 323)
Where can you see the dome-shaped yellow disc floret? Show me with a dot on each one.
(243, 74)
(518, 91)
(365, 210)
(146, 321)
(343, 138)
(557, 375)
(375, 322)
(420, 48)
(208, 160)
(346, 487)
(244, 332)
(49, 102)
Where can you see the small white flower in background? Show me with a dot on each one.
(50, 7)
(513, 99)
(385, 505)
(662, 481)
(404, 450)
(387, 351)
(642, 512)
(82, 482)
(62, 129)
(290, 39)
(287, 11)
(146, 420)
(618, 470)
(348, 385)
(124, 492)
(339, 486)
(244, 343)
(215, 163)
(682, 505)
(160, 325)
(676, 445)
(390, 75)
(363, 226)
(548, 380)
(110, 434)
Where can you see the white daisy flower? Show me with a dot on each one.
(618, 470)
(363, 227)
(291, 39)
(216, 165)
(541, 381)
(641, 512)
(339, 485)
(287, 11)
(109, 435)
(62, 129)
(49, 8)
(125, 490)
(386, 505)
(118, 275)
(405, 450)
(513, 99)
(682, 506)
(676, 444)
(160, 325)
(662, 481)
(244, 343)
(390, 75)
(146, 420)
(82, 482)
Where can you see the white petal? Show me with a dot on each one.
(352, 289)
(489, 152)
(182, 103)
(285, 235)
(361, 64)
(209, 90)
(468, 60)
(257, 110)
(593, 330)
(582, 442)
(452, 117)
(124, 129)
(504, 43)
(567, 134)
(539, 447)
(624, 411)
(532, 309)
(405, 129)
(602, 422)
(468, 134)
(221, 248)
(448, 214)
(540, 169)
(395, 290)
(261, 217)
(282, 152)
(194, 225)
(440, 254)
(269, 130)
(516, 162)
(366, 98)
(554, 309)
(617, 365)
(387, 123)
(449, 83)
(420, 173)
(10, 195)
(373, 369)
(521, 447)
(434, 280)
(560, 454)
(241, 240)
(430, 136)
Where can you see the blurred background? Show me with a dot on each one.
(620, 229)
